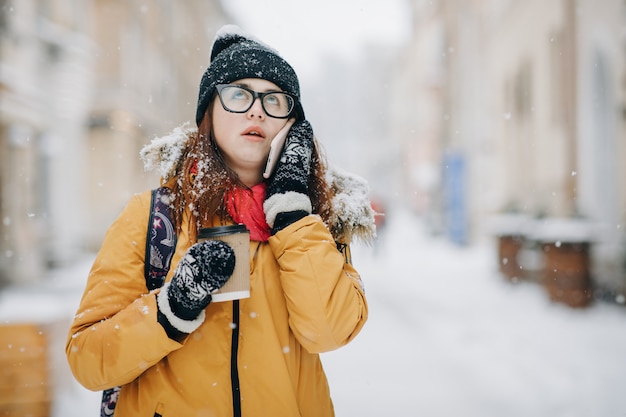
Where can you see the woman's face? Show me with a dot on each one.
(244, 138)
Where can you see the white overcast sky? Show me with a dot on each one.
(306, 31)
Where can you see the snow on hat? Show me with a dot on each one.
(236, 55)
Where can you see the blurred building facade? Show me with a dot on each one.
(518, 107)
(83, 86)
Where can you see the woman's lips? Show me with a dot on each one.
(254, 132)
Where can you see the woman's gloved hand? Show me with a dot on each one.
(205, 268)
(286, 198)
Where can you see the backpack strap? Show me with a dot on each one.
(160, 239)
(109, 401)
(160, 246)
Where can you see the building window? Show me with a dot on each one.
(557, 78)
(5, 9)
(522, 93)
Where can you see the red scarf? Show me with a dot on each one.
(246, 206)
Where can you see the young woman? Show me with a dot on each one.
(172, 350)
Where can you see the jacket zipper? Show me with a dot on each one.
(234, 371)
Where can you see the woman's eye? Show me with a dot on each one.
(239, 94)
(277, 100)
(272, 100)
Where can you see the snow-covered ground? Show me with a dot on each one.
(447, 336)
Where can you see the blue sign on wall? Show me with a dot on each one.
(454, 197)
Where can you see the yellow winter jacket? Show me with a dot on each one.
(305, 299)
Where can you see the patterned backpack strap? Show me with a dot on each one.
(160, 240)
(109, 401)
(160, 247)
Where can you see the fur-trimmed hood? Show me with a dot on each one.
(353, 216)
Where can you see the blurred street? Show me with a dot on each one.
(447, 335)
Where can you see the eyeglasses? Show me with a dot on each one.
(239, 99)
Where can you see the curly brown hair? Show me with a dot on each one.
(202, 179)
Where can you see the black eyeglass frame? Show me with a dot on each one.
(255, 95)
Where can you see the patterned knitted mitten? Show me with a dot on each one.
(286, 199)
(205, 268)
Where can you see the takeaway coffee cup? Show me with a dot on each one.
(238, 237)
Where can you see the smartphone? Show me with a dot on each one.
(276, 147)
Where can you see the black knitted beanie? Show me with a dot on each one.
(236, 55)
